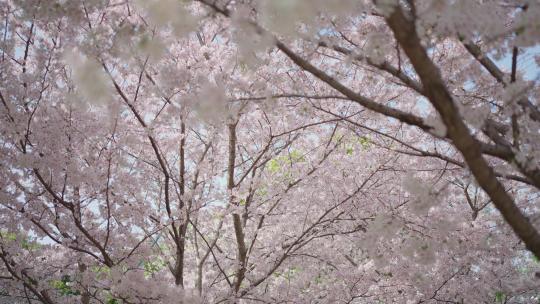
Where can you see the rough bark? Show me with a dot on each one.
(405, 33)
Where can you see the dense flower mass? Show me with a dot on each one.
(269, 151)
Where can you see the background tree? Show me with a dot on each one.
(269, 151)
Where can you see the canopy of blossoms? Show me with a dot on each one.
(269, 151)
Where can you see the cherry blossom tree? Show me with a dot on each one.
(284, 151)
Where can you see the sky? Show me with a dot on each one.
(526, 63)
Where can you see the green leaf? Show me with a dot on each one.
(26, 242)
(64, 286)
(262, 192)
(499, 297)
(273, 166)
(113, 301)
(151, 267)
(296, 156)
(102, 271)
(29, 245)
(364, 142)
(10, 236)
(276, 165)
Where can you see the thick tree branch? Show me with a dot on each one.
(405, 32)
